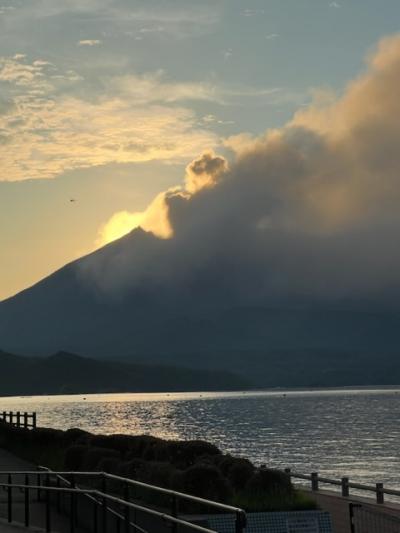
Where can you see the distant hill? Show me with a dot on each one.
(66, 373)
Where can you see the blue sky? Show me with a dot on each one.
(107, 101)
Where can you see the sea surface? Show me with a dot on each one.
(353, 433)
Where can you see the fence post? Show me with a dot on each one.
(345, 487)
(73, 513)
(380, 495)
(18, 419)
(351, 513)
(26, 500)
(104, 506)
(240, 522)
(314, 481)
(127, 510)
(9, 499)
(48, 518)
(26, 420)
(174, 513)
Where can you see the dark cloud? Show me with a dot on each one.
(308, 213)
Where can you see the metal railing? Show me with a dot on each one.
(50, 483)
(365, 519)
(18, 419)
(345, 485)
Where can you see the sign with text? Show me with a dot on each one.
(302, 525)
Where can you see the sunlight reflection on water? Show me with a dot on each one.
(335, 432)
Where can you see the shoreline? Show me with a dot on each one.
(256, 392)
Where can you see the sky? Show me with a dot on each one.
(104, 104)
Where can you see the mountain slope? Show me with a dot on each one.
(196, 323)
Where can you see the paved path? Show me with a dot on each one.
(338, 507)
(59, 523)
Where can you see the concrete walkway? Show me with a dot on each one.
(59, 523)
(338, 507)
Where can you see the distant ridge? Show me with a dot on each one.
(67, 373)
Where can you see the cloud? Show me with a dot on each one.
(48, 127)
(305, 214)
(89, 42)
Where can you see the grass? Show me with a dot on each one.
(257, 502)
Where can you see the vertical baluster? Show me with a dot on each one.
(26, 500)
(9, 499)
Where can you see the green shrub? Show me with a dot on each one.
(206, 481)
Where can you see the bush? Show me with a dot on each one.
(206, 481)
(94, 455)
(75, 457)
(237, 470)
(268, 481)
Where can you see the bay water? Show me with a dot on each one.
(345, 432)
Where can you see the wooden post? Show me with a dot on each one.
(314, 481)
(26, 420)
(18, 419)
(380, 495)
(33, 420)
(345, 487)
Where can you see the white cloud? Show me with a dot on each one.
(47, 131)
(89, 42)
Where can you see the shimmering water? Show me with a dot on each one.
(335, 432)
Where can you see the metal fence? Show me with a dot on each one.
(110, 507)
(366, 519)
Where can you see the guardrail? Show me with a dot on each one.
(99, 498)
(18, 419)
(345, 484)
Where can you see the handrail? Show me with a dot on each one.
(169, 492)
(104, 496)
(345, 484)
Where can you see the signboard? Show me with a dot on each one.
(302, 525)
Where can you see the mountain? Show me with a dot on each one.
(195, 322)
(65, 373)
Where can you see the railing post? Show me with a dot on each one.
(351, 513)
(26, 500)
(11, 418)
(104, 506)
(95, 519)
(48, 518)
(380, 495)
(33, 420)
(127, 510)
(39, 483)
(240, 522)
(174, 513)
(345, 487)
(9, 499)
(314, 481)
(73, 506)
(26, 420)
(58, 495)
(18, 419)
